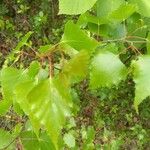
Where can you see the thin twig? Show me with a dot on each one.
(136, 37)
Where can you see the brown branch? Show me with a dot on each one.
(51, 66)
(19, 145)
(136, 37)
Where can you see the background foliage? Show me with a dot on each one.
(74, 75)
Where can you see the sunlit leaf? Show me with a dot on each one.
(47, 104)
(106, 70)
(75, 7)
(143, 7)
(48, 107)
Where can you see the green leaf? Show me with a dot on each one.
(69, 140)
(119, 31)
(106, 7)
(114, 31)
(47, 104)
(9, 78)
(89, 138)
(33, 69)
(43, 74)
(123, 12)
(75, 7)
(5, 138)
(4, 106)
(29, 140)
(45, 49)
(141, 78)
(77, 38)
(110, 47)
(143, 7)
(77, 67)
(21, 92)
(106, 70)
(90, 135)
(45, 142)
(87, 17)
(23, 41)
(136, 27)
